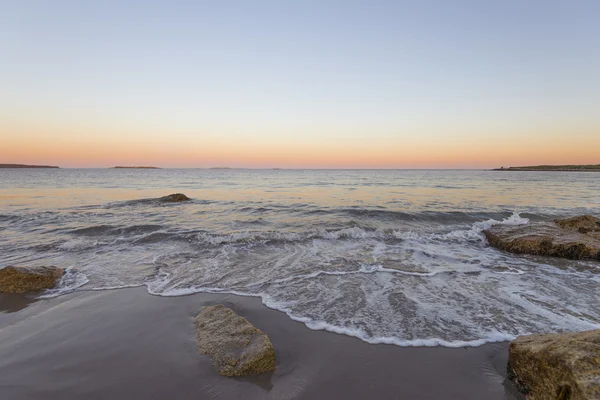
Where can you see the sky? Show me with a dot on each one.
(300, 84)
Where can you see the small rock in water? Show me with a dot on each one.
(23, 280)
(174, 198)
(576, 238)
(558, 366)
(235, 345)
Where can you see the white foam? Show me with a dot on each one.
(355, 233)
(374, 268)
(71, 280)
(117, 287)
(514, 220)
(426, 342)
(322, 325)
(510, 271)
(363, 269)
(381, 286)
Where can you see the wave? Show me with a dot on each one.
(406, 288)
(363, 269)
(71, 280)
(9, 218)
(242, 237)
(80, 244)
(151, 233)
(319, 325)
(356, 233)
(95, 230)
(159, 236)
(155, 202)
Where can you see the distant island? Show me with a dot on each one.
(582, 168)
(135, 167)
(26, 166)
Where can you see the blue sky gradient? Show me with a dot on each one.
(385, 80)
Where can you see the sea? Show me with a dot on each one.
(387, 256)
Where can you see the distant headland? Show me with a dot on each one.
(26, 166)
(582, 168)
(135, 167)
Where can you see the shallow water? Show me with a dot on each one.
(387, 256)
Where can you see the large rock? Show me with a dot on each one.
(22, 280)
(559, 366)
(235, 345)
(576, 238)
(174, 198)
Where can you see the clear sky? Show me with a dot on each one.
(348, 84)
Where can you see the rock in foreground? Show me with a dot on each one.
(23, 280)
(235, 345)
(576, 238)
(174, 198)
(560, 366)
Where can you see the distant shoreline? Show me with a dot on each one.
(576, 168)
(135, 167)
(26, 166)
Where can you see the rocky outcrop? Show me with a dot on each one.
(576, 238)
(174, 198)
(559, 366)
(23, 280)
(235, 345)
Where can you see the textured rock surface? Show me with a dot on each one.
(586, 224)
(573, 238)
(174, 198)
(235, 345)
(559, 366)
(22, 280)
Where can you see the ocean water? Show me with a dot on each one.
(388, 256)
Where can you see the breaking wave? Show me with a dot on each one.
(402, 287)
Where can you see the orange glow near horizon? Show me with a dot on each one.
(398, 151)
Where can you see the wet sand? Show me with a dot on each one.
(127, 344)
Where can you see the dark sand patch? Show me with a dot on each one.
(127, 344)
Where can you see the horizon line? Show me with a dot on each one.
(266, 168)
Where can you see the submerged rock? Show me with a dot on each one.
(174, 198)
(575, 238)
(235, 345)
(559, 366)
(22, 280)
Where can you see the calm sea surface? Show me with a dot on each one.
(387, 256)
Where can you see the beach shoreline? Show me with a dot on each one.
(126, 343)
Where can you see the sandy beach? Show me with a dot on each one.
(125, 344)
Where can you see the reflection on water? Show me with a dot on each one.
(391, 189)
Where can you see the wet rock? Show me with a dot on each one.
(174, 198)
(23, 280)
(586, 224)
(571, 238)
(559, 366)
(235, 345)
